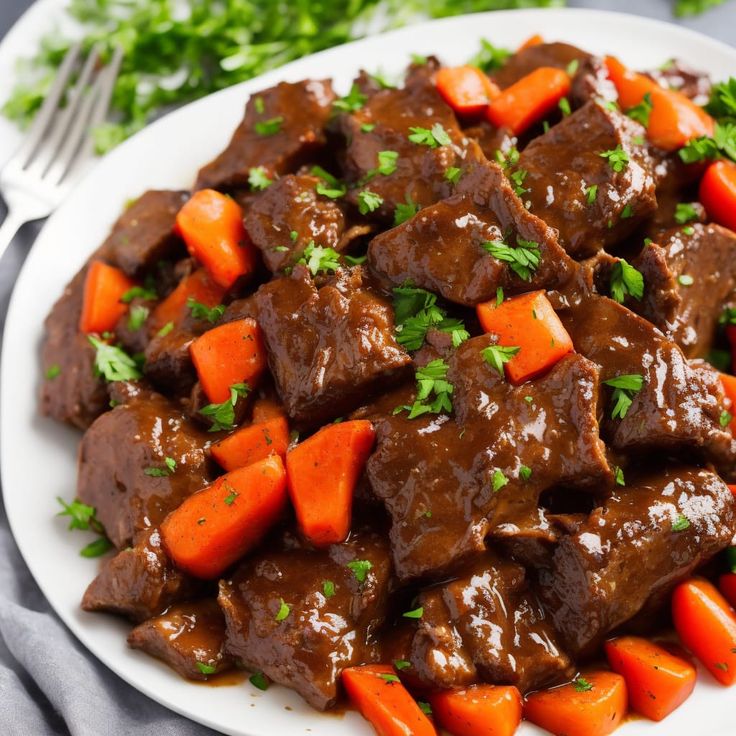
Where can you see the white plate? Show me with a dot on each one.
(39, 456)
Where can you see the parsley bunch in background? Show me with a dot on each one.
(179, 50)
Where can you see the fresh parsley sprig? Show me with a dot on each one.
(626, 281)
(434, 391)
(625, 387)
(523, 259)
(112, 362)
(223, 415)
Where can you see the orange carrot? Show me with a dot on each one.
(378, 694)
(265, 409)
(706, 625)
(718, 192)
(217, 525)
(466, 89)
(322, 473)
(657, 682)
(104, 287)
(211, 225)
(527, 101)
(593, 705)
(732, 489)
(673, 120)
(199, 286)
(229, 354)
(535, 40)
(530, 323)
(729, 388)
(249, 444)
(481, 710)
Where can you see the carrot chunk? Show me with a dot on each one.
(198, 286)
(322, 473)
(216, 526)
(383, 701)
(535, 40)
(104, 287)
(727, 584)
(211, 225)
(729, 388)
(593, 705)
(530, 323)
(673, 120)
(249, 444)
(466, 89)
(229, 354)
(481, 710)
(527, 101)
(657, 682)
(718, 192)
(706, 625)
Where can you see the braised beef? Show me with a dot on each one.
(326, 628)
(168, 364)
(328, 349)
(646, 538)
(271, 135)
(593, 201)
(189, 637)
(676, 74)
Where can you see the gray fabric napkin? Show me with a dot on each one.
(49, 684)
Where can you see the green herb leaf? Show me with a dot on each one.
(431, 381)
(625, 387)
(722, 102)
(725, 418)
(525, 472)
(564, 105)
(206, 669)
(523, 259)
(681, 523)
(626, 281)
(269, 127)
(390, 678)
(202, 311)
(360, 569)
(168, 469)
(425, 707)
(581, 685)
(81, 516)
(498, 480)
(138, 292)
(97, 548)
(685, 213)
(259, 680)
(352, 102)
(404, 212)
(416, 613)
(498, 355)
(434, 137)
(452, 174)
(368, 201)
(591, 193)
(401, 664)
(284, 611)
(166, 329)
(113, 363)
(258, 178)
(490, 57)
(618, 476)
(328, 588)
(617, 158)
(53, 371)
(642, 111)
(138, 315)
(319, 259)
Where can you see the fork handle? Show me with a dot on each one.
(9, 228)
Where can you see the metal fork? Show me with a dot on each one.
(59, 144)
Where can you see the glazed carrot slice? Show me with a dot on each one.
(381, 698)
(322, 473)
(466, 89)
(718, 192)
(198, 286)
(593, 705)
(265, 409)
(249, 444)
(657, 682)
(104, 287)
(706, 625)
(729, 388)
(535, 40)
(481, 710)
(527, 101)
(530, 323)
(211, 225)
(673, 120)
(229, 354)
(727, 585)
(216, 526)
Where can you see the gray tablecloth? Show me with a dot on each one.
(48, 683)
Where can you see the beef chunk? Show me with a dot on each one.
(678, 75)
(144, 233)
(323, 633)
(632, 549)
(436, 474)
(168, 363)
(563, 164)
(71, 392)
(139, 582)
(121, 446)
(328, 349)
(420, 169)
(688, 312)
(189, 637)
(589, 75)
(441, 248)
(291, 205)
(485, 624)
(679, 405)
(296, 112)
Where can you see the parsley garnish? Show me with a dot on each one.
(518, 179)
(223, 415)
(582, 685)
(416, 613)
(330, 186)
(618, 159)
(525, 472)
(284, 611)
(489, 57)
(138, 291)
(328, 588)
(523, 259)
(368, 201)
(626, 281)
(416, 311)
(401, 664)
(352, 102)
(434, 137)
(258, 178)
(642, 111)
(498, 355)
(722, 102)
(452, 174)
(564, 105)
(202, 311)
(166, 329)
(591, 193)
(624, 389)
(510, 158)
(498, 480)
(404, 212)
(725, 418)
(138, 315)
(387, 162)
(705, 148)
(96, 548)
(206, 669)
(618, 476)
(355, 260)
(269, 127)
(320, 259)
(431, 380)
(367, 127)
(170, 467)
(360, 569)
(572, 68)
(259, 105)
(425, 707)
(627, 212)
(685, 279)
(259, 680)
(680, 523)
(83, 517)
(390, 678)
(53, 371)
(113, 363)
(685, 213)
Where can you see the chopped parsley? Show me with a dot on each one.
(360, 569)
(689, 230)
(168, 469)
(626, 281)
(401, 664)
(508, 159)
(415, 613)
(231, 495)
(138, 292)
(684, 213)
(138, 315)
(206, 669)
(431, 381)
(404, 212)
(319, 259)
(355, 260)
(617, 158)
(223, 415)
(53, 371)
(452, 174)
(97, 548)
(330, 186)
(572, 68)
(389, 677)
(498, 480)
(83, 517)
(591, 193)
(367, 127)
(723, 143)
(722, 102)
(581, 685)
(685, 279)
(269, 127)
(642, 111)
(202, 311)
(328, 588)
(627, 212)
(489, 57)
(517, 178)
(523, 259)
(681, 523)
(624, 388)
(352, 102)
(387, 162)
(725, 419)
(368, 201)
(258, 179)
(525, 472)
(425, 707)
(113, 363)
(432, 137)
(284, 611)
(259, 680)
(618, 476)
(166, 329)
(564, 105)
(259, 105)
(498, 355)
